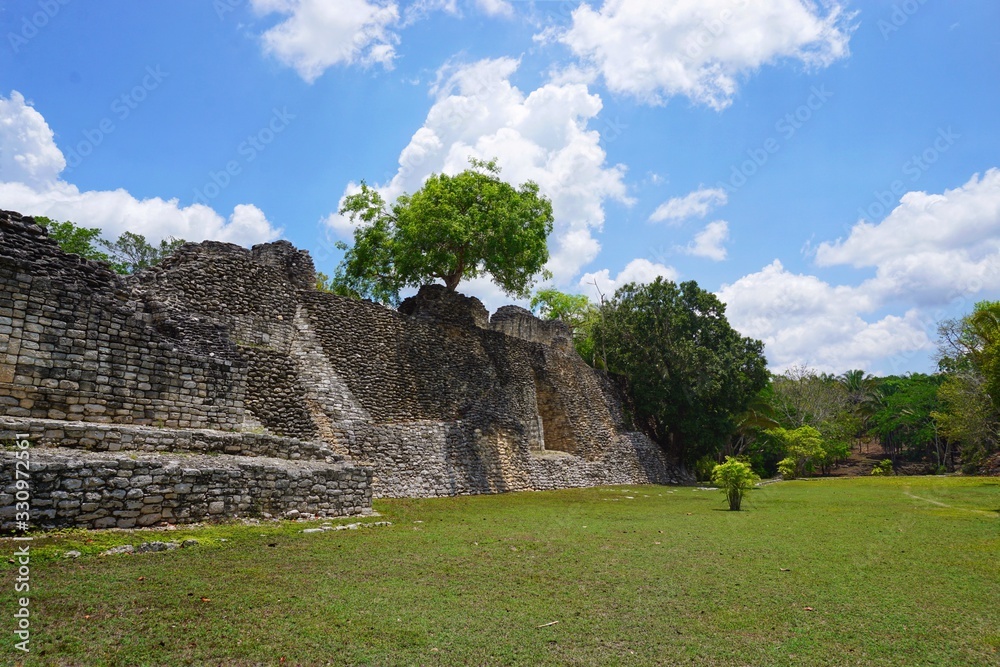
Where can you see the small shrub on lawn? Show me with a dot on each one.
(735, 478)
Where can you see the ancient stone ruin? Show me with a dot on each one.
(222, 384)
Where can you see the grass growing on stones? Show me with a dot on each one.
(897, 571)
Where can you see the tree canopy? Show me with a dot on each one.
(129, 253)
(453, 228)
(552, 304)
(690, 373)
(82, 241)
(969, 352)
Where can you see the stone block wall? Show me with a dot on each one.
(93, 490)
(73, 346)
(104, 374)
(229, 358)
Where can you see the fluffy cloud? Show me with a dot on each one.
(699, 48)
(709, 241)
(696, 204)
(28, 152)
(495, 7)
(30, 163)
(935, 253)
(317, 35)
(932, 247)
(540, 136)
(637, 271)
(804, 320)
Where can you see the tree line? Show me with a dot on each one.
(800, 422)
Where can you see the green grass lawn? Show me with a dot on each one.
(896, 571)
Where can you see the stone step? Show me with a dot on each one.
(126, 438)
(76, 488)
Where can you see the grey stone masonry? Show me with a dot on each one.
(145, 439)
(95, 365)
(229, 364)
(99, 490)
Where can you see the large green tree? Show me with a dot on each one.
(969, 351)
(453, 228)
(690, 373)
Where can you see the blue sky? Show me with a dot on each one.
(831, 169)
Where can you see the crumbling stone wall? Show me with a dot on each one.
(434, 399)
(100, 372)
(101, 491)
(73, 346)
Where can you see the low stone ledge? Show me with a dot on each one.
(74, 488)
(127, 438)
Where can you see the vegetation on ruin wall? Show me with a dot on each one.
(877, 571)
(454, 228)
(127, 254)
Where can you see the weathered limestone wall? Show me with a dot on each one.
(136, 407)
(77, 488)
(146, 439)
(73, 346)
(222, 353)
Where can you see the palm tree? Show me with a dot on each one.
(864, 395)
(759, 416)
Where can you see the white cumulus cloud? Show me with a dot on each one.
(806, 321)
(495, 7)
(696, 204)
(318, 34)
(639, 271)
(30, 164)
(710, 241)
(28, 153)
(932, 247)
(540, 136)
(315, 35)
(654, 50)
(928, 260)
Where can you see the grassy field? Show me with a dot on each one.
(897, 571)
